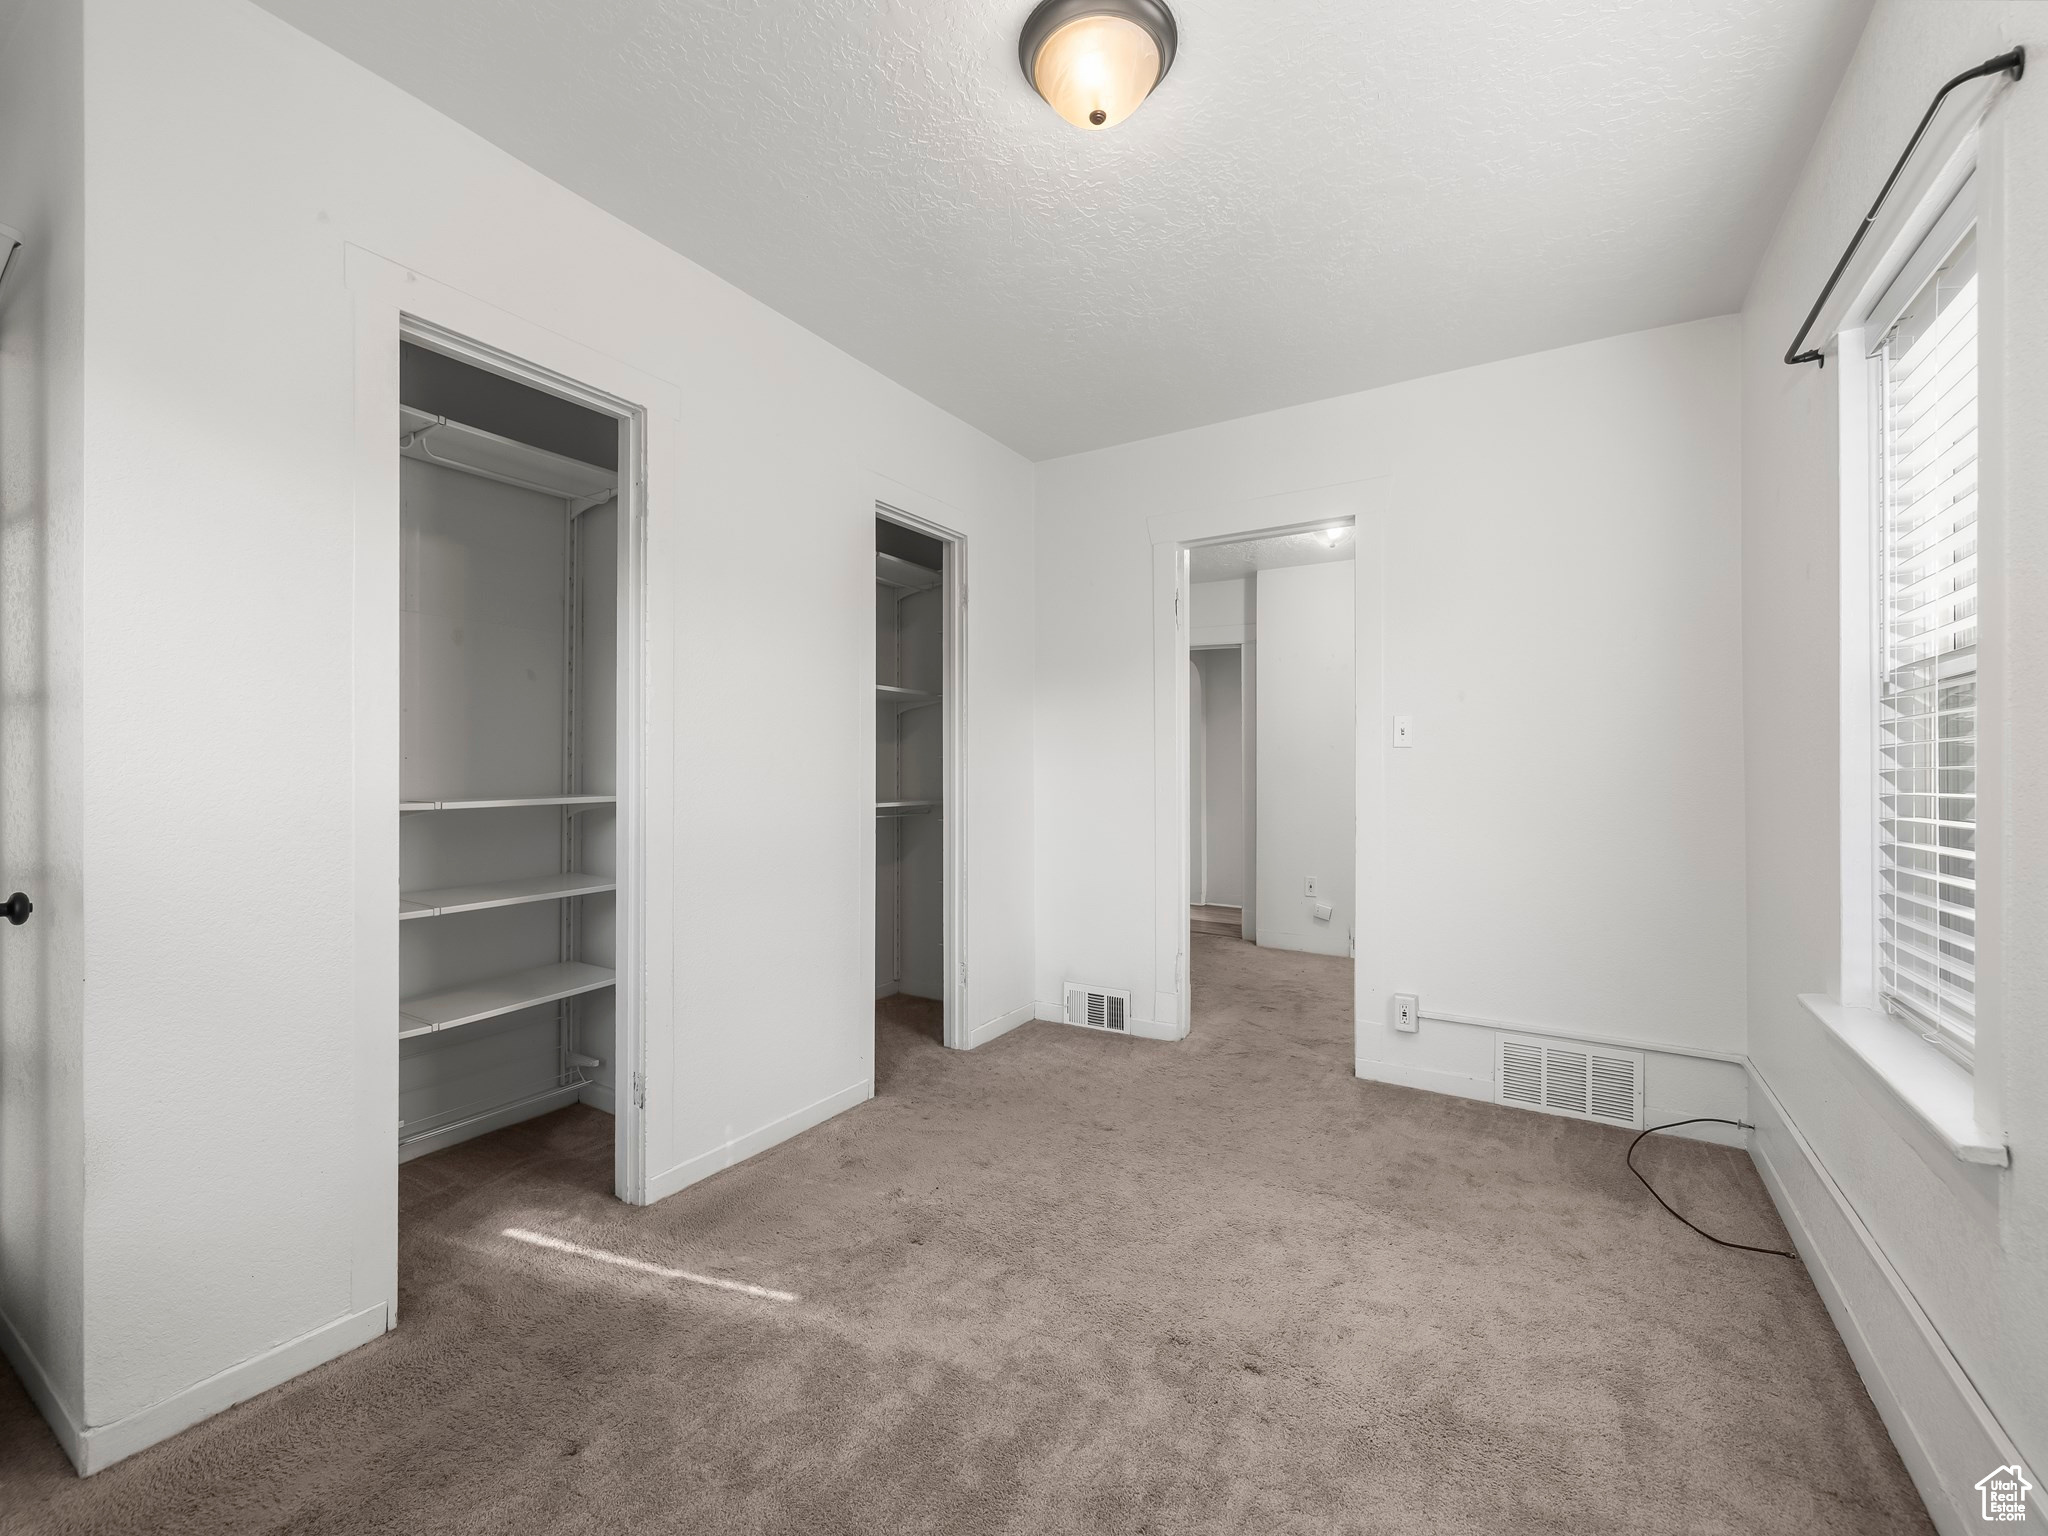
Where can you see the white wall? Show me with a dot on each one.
(231, 163)
(1307, 758)
(1220, 806)
(1970, 1245)
(1561, 616)
(1217, 611)
(42, 965)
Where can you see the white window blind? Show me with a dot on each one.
(1927, 665)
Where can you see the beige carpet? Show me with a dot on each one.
(1064, 1283)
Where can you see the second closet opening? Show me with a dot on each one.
(912, 615)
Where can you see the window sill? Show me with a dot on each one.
(1913, 1075)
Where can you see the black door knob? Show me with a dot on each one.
(16, 908)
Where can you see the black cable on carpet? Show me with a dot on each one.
(1630, 1159)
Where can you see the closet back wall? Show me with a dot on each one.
(219, 521)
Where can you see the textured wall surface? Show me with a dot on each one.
(1308, 805)
(232, 162)
(42, 462)
(1322, 196)
(1975, 1253)
(1562, 621)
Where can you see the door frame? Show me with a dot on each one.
(394, 304)
(1363, 504)
(1198, 764)
(910, 509)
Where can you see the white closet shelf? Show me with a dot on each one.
(892, 572)
(903, 698)
(500, 893)
(905, 807)
(501, 994)
(574, 802)
(432, 439)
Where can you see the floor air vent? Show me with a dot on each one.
(1587, 1082)
(1097, 1008)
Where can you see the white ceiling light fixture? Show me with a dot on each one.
(1095, 61)
(1334, 534)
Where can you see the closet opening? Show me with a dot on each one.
(517, 883)
(919, 594)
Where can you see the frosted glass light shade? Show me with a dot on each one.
(1095, 61)
(1096, 70)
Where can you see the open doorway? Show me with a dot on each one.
(919, 598)
(1270, 764)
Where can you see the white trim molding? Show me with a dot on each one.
(1944, 1430)
(1137, 1028)
(1623, 1042)
(1457, 1057)
(42, 1391)
(661, 1185)
(1001, 1024)
(1903, 1072)
(96, 1447)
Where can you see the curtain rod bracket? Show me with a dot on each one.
(2014, 62)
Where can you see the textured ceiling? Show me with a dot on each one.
(1227, 562)
(1323, 196)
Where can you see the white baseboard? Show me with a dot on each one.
(1305, 941)
(1001, 1025)
(101, 1446)
(1944, 1430)
(42, 1391)
(661, 1185)
(1429, 1079)
(597, 1096)
(1140, 1029)
(1454, 1054)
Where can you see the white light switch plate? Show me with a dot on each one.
(1311, 891)
(1404, 731)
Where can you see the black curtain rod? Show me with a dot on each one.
(2016, 61)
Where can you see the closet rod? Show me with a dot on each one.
(2015, 61)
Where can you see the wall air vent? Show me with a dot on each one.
(1098, 1008)
(1563, 1077)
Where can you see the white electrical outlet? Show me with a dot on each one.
(1311, 891)
(1324, 911)
(1407, 1013)
(1404, 731)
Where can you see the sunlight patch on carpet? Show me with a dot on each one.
(560, 1245)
